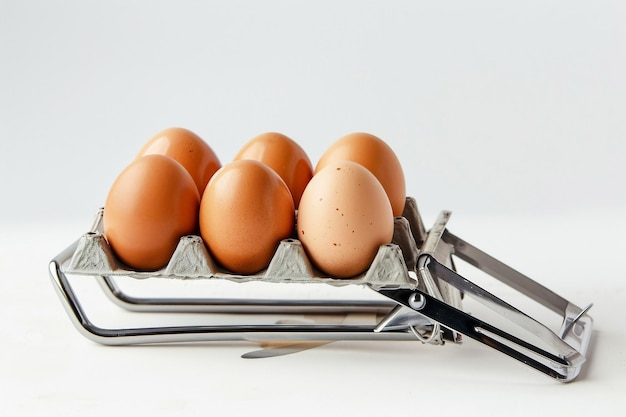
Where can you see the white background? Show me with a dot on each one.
(509, 114)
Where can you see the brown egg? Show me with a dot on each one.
(343, 219)
(284, 156)
(150, 206)
(374, 154)
(188, 149)
(246, 210)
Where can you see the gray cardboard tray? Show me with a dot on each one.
(290, 264)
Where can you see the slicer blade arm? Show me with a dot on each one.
(452, 318)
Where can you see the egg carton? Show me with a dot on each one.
(424, 298)
(289, 264)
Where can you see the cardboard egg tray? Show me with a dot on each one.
(192, 260)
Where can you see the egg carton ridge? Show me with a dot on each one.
(289, 264)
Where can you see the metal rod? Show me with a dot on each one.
(238, 305)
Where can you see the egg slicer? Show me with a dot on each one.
(417, 294)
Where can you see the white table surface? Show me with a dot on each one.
(48, 368)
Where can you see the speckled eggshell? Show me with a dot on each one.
(246, 210)
(375, 155)
(344, 217)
